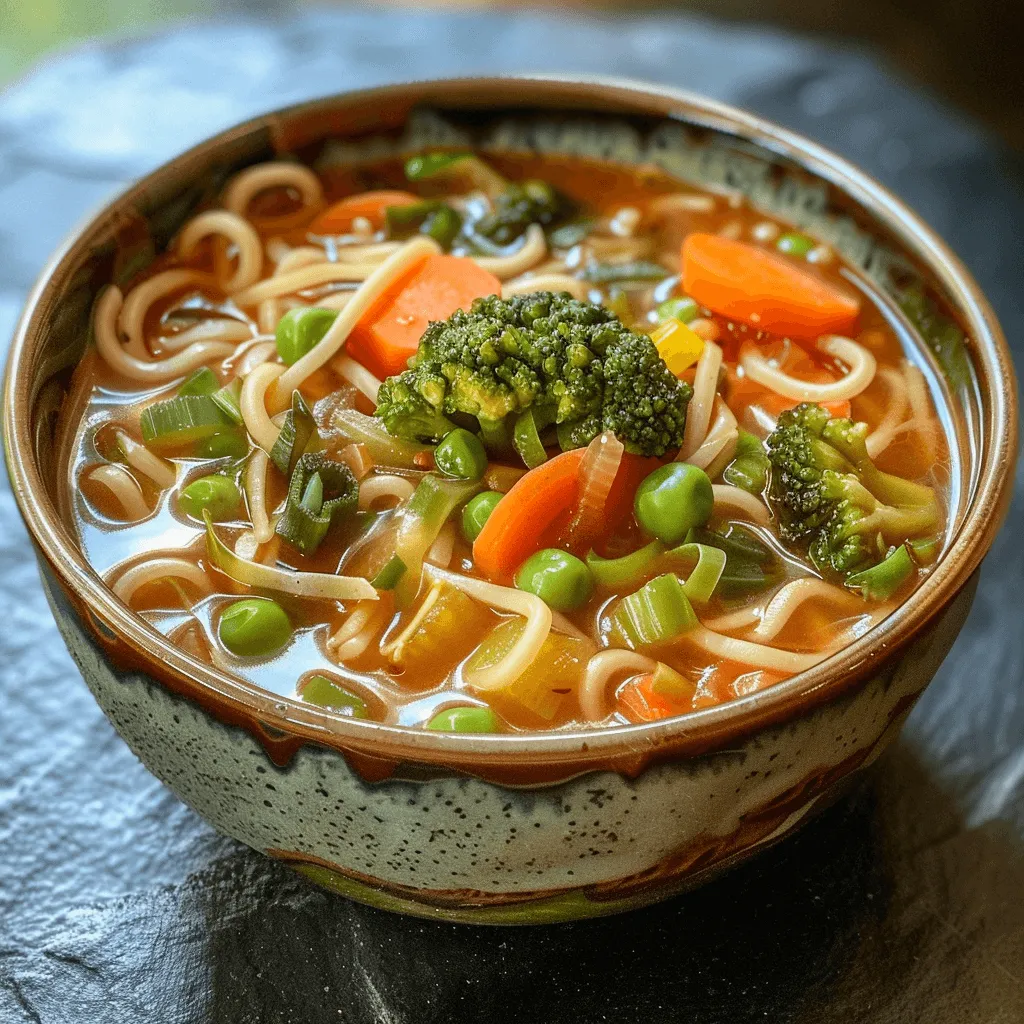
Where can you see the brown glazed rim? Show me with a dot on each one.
(700, 731)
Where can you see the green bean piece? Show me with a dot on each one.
(477, 511)
(300, 330)
(673, 500)
(795, 244)
(559, 579)
(219, 495)
(636, 270)
(682, 308)
(461, 455)
(254, 627)
(328, 694)
(464, 719)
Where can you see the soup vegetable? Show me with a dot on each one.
(499, 445)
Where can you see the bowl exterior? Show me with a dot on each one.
(453, 847)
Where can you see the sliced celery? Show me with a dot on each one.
(627, 571)
(659, 611)
(704, 577)
(636, 270)
(388, 577)
(749, 467)
(182, 420)
(526, 439)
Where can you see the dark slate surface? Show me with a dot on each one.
(904, 904)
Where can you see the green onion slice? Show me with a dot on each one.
(298, 435)
(320, 490)
(285, 581)
(626, 571)
(199, 382)
(182, 420)
(526, 439)
(659, 611)
(226, 399)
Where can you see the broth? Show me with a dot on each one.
(758, 586)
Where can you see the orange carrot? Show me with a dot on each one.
(514, 529)
(763, 289)
(389, 333)
(337, 219)
(639, 702)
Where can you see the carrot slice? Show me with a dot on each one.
(514, 530)
(337, 219)
(389, 333)
(765, 290)
(639, 702)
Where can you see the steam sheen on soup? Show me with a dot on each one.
(501, 445)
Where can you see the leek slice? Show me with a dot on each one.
(298, 435)
(320, 490)
(657, 612)
(286, 581)
(384, 449)
(703, 579)
(200, 382)
(226, 399)
(626, 571)
(181, 420)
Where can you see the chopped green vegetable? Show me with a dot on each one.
(659, 611)
(462, 172)
(627, 571)
(298, 435)
(750, 565)
(464, 719)
(384, 448)
(700, 585)
(635, 270)
(460, 454)
(225, 444)
(941, 334)
(199, 382)
(300, 330)
(684, 309)
(328, 694)
(388, 577)
(559, 579)
(794, 244)
(255, 627)
(881, 581)
(219, 495)
(673, 500)
(431, 217)
(517, 207)
(749, 467)
(226, 399)
(571, 233)
(526, 438)
(182, 420)
(477, 511)
(319, 492)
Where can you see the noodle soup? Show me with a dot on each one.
(502, 445)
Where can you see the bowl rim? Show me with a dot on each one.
(696, 732)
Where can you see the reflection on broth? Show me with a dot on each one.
(489, 446)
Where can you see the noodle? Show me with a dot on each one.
(526, 648)
(132, 317)
(881, 437)
(441, 551)
(312, 276)
(375, 252)
(152, 371)
(298, 258)
(705, 385)
(741, 500)
(214, 329)
(358, 631)
(748, 653)
(371, 290)
(161, 472)
(862, 371)
(721, 435)
(790, 597)
(357, 375)
(238, 231)
(666, 206)
(247, 184)
(123, 486)
(601, 669)
(384, 485)
(268, 312)
(256, 496)
(529, 254)
(335, 300)
(545, 283)
(154, 569)
(254, 356)
(253, 403)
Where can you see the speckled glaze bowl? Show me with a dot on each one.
(520, 829)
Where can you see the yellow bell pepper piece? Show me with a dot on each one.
(679, 346)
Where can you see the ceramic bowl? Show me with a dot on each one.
(520, 829)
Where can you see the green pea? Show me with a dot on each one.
(683, 308)
(673, 500)
(477, 511)
(464, 719)
(559, 579)
(300, 330)
(254, 627)
(461, 454)
(227, 444)
(328, 694)
(217, 494)
(794, 244)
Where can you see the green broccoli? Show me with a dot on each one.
(827, 494)
(573, 362)
(519, 206)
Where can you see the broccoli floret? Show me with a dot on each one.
(574, 362)
(828, 495)
(519, 206)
